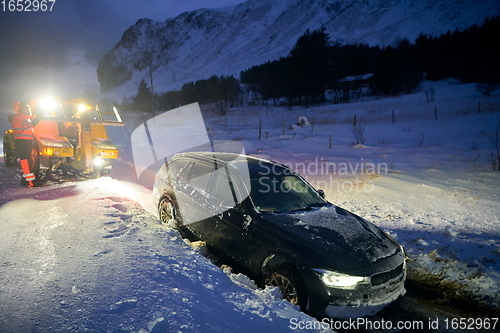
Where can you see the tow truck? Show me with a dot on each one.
(70, 134)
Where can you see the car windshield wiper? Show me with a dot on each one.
(308, 207)
(301, 209)
(270, 211)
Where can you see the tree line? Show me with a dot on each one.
(315, 65)
(220, 91)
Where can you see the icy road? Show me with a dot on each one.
(87, 257)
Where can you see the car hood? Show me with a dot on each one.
(331, 237)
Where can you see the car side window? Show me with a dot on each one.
(221, 187)
(175, 169)
(199, 175)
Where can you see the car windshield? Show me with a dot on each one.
(283, 193)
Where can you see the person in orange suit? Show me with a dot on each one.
(23, 123)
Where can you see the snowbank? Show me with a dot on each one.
(88, 257)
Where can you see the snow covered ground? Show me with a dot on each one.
(427, 181)
(92, 256)
(424, 175)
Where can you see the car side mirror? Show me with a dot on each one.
(321, 193)
(10, 118)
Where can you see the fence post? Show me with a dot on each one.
(260, 128)
(436, 113)
(393, 116)
(330, 142)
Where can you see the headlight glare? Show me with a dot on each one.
(98, 161)
(339, 280)
(81, 107)
(48, 104)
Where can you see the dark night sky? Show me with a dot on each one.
(57, 52)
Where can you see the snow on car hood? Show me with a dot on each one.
(338, 234)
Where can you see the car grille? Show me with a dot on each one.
(378, 279)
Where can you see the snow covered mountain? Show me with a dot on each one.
(205, 42)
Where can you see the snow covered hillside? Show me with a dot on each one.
(92, 256)
(198, 44)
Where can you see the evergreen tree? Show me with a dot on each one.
(188, 93)
(222, 91)
(310, 61)
(142, 100)
(385, 79)
(170, 100)
(268, 79)
(409, 70)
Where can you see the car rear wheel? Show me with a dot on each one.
(291, 284)
(168, 213)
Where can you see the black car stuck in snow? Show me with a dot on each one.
(269, 223)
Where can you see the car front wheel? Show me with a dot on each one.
(168, 213)
(291, 284)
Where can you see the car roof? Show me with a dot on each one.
(255, 164)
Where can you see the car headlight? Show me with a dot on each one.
(340, 280)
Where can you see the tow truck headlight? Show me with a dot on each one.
(48, 104)
(83, 107)
(47, 152)
(98, 161)
(339, 280)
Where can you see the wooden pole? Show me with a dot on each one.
(151, 82)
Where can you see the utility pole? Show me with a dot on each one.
(151, 81)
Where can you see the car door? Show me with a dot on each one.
(191, 197)
(228, 227)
